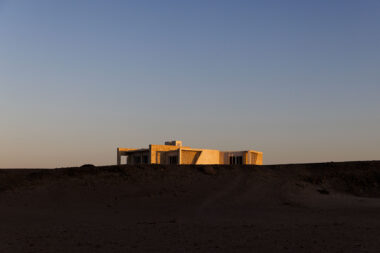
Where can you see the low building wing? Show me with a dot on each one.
(174, 153)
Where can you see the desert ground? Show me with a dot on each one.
(325, 207)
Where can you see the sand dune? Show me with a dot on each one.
(330, 207)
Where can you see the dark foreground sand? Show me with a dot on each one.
(331, 207)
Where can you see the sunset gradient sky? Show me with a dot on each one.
(298, 80)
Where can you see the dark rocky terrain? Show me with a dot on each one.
(326, 207)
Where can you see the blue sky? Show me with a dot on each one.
(298, 80)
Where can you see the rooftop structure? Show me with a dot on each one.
(174, 153)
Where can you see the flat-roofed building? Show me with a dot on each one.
(174, 153)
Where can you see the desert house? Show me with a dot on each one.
(174, 153)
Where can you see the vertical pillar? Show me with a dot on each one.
(118, 157)
(179, 155)
(150, 155)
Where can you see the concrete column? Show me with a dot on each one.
(179, 156)
(118, 157)
(150, 155)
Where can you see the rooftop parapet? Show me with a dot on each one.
(174, 143)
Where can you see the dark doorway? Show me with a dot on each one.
(145, 159)
(136, 159)
(173, 159)
(236, 160)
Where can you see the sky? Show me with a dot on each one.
(297, 80)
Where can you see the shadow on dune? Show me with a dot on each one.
(356, 178)
(332, 207)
